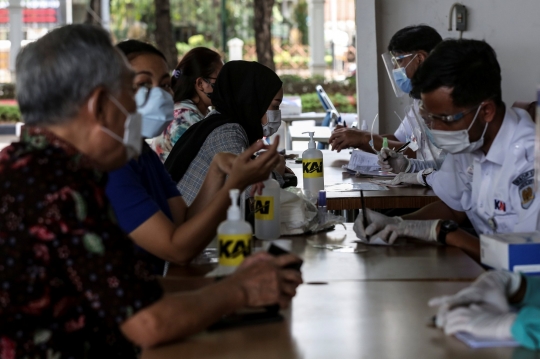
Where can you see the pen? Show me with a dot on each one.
(364, 217)
(402, 148)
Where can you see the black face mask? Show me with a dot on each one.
(209, 94)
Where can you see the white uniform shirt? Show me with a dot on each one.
(495, 190)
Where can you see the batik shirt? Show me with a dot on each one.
(68, 274)
(186, 114)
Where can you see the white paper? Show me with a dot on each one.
(362, 159)
(473, 342)
(348, 187)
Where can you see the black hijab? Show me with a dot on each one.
(242, 94)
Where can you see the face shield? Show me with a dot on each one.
(396, 72)
(428, 150)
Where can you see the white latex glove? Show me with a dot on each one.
(480, 322)
(391, 161)
(376, 222)
(491, 290)
(410, 178)
(423, 230)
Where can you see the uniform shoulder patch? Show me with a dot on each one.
(525, 184)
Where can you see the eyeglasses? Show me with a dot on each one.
(429, 117)
(398, 60)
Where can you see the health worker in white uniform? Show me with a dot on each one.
(407, 50)
(487, 175)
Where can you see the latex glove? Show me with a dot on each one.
(423, 230)
(480, 322)
(391, 161)
(491, 290)
(410, 178)
(376, 222)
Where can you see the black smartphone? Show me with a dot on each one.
(278, 251)
(243, 319)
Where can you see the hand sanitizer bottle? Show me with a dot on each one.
(267, 211)
(234, 238)
(312, 169)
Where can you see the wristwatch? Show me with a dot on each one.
(446, 226)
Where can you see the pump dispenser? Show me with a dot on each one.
(234, 237)
(267, 211)
(312, 168)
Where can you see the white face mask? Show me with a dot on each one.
(457, 141)
(274, 121)
(132, 140)
(156, 109)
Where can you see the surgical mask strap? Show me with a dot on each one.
(410, 62)
(112, 134)
(119, 105)
(475, 116)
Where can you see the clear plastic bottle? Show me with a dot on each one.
(234, 238)
(312, 169)
(267, 211)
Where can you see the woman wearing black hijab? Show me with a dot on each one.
(247, 96)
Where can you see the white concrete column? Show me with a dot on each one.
(316, 37)
(69, 12)
(15, 33)
(236, 47)
(367, 82)
(106, 14)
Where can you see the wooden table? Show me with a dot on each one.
(401, 197)
(364, 305)
(379, 320)
(410, 260)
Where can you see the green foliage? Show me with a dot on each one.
(10, 114)
(293, 84)
(196, 40)
(344, 104)
(7, 91)
(182, 48)
(300, 17)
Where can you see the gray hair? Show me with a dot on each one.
(56, 74)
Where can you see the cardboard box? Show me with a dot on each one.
(291, 106)
(515, 252)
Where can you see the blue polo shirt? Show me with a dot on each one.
(139, 190)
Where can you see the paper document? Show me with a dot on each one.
(361, 159)
(348, 187)
(474, 342)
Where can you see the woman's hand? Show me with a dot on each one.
(246, 171)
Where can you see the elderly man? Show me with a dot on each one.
(70, 285)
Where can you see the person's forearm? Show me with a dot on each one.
(177, 316)
(466, 242)
(437, 210)
(180, 284)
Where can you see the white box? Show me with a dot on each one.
(291, 106)
(515, 252)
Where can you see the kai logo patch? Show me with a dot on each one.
(234, 248)
(264, 208)
(500, 205)
(312, 168)
(525, 183)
